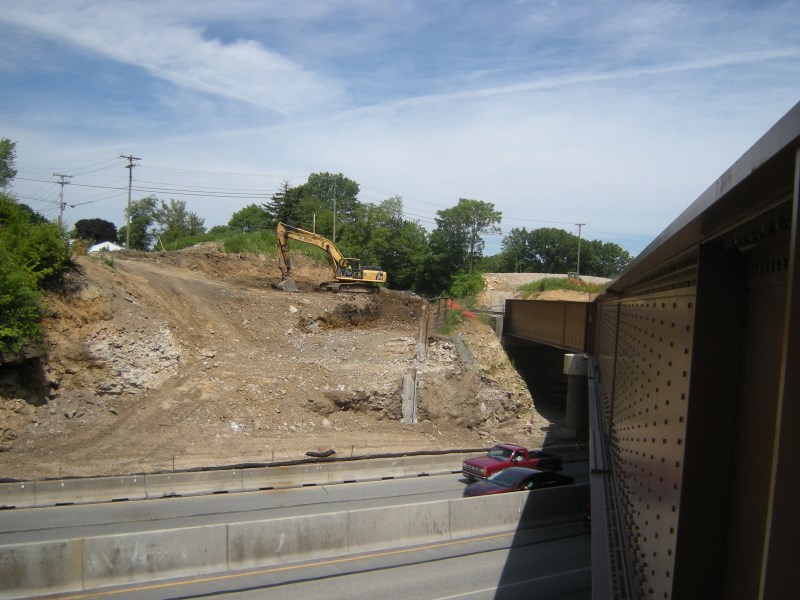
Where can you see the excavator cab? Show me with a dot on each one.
(350, 268)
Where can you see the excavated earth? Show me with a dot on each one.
(191, 359)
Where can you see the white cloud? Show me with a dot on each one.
(613, 113)
(242, 70)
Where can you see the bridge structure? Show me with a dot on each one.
(693, 388)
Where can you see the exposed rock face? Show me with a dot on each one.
(193, 356)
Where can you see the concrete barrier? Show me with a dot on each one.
(90, 489)
(18, 494)
(375, 528)
(488, 514)
(292, 539)
(135, 557)
(159, 485)
(433, 465)
(41, 568)
(366, 470)
(72, 565)
(258, 478)
(298, 475)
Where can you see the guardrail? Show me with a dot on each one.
(29, 494)
(75, 565)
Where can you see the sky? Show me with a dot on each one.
(615, 114)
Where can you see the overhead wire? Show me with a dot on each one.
(413, 208)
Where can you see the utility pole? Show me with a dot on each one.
(578, 270)
(129, 166)
(62, 183)
(334, 210)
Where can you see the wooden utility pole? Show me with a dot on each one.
(129, 166)
(578, 270)
(62, 183)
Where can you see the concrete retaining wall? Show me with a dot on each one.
(106, 489)
(90, 563)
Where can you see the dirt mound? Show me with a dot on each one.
(506, 286)
(184, 359)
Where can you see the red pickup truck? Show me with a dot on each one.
(503, 456)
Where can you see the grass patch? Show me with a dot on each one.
(453, 320)
(256, 243)
(561, 283)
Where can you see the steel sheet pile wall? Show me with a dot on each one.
(647, 404)
(696, 354)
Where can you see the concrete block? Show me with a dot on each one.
(517, 510)
(159, 485)
(486, 514)
(19, 494)
(433, 465)
(279, 541)
(554, 505)
(133, 557)
(366, 470)
(257, 478)
(380, 528)
(576, 364)
(90, 489)
(298, 475)
(40, 568)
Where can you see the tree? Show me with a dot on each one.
(380, 236)
(284, 206)
(515, 256)
(456, 244)
(175, 222)
(406, 257)
(552, 250)
(96, 230)
(8, 156)
(142, 217)
(329, 189)
(605, 259)
(251, 218)
(465, 223)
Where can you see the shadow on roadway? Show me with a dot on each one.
(551, 561)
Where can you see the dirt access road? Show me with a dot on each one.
(187, 359)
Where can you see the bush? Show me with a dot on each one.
(467, 286)
(20, 312)
(33, 253)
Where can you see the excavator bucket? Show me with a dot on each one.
(288, 285)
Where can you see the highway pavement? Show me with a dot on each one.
(86, 520)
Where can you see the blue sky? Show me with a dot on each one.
(612, 113)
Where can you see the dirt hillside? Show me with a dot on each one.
(506, 286)
(191, 358)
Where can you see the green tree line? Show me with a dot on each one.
(448, 260)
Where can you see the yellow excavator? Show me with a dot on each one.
(349, 275)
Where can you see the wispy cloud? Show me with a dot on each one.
(617, 113)
(242, 70)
